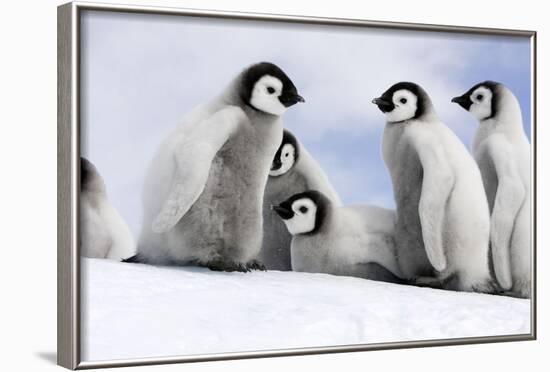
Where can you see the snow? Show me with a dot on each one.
(136, 311)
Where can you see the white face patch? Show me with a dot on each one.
(265, 95)
(303, 220)
(287, 158)
(481, 103)
(405, 106)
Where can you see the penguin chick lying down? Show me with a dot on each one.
(352, 241)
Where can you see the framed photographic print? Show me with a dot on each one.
(235, 185)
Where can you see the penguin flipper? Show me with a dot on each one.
(194, 154)
(437, 184)
(508, 200)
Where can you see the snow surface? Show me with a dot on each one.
(136, 311)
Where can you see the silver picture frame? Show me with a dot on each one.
(68, 124)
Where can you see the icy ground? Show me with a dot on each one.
(134, 311)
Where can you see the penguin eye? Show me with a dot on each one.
(479, 97)
(270, 90)
(403, 100)
(286, 155)
(303, 209)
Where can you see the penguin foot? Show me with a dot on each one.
(522, 288)
(219, 264)
(134, 259)
(255, 265)
(487, 286)
(428, 281)
(514, 294)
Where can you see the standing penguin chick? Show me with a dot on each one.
(442, 212)
(352, 241)
(293, 171)
(104, 234)
(502, 152)
(204, 189)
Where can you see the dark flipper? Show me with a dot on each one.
(216, 264)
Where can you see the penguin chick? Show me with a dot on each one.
(351, 241)
(502, 152)
(103, 232)
(204, 190)
(442, 213)
(293, 171)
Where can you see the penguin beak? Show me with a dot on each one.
(284, 213)
(276, 164)
(383, 105)
(290, 98)
(464, 101)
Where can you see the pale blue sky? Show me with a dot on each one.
(142, 73)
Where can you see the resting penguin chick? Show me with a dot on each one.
(502, 152)
(442, 212)
(104, 234)
(293, 171)
(352, 241)
(204, 190)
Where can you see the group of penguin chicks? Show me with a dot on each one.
(231, 190)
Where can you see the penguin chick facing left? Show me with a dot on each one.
(442, 212)
(204, 190)
(293, 171)
(351, 241)
(104, 234)
(503, 154)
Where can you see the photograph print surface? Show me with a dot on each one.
(255, 185)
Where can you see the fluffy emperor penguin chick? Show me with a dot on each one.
(293, 171)
(502, 152)
(442, 212)
(352, 241)
(104, 234)
(204, 190)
